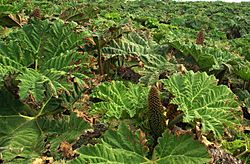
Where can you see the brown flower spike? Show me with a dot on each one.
(157, 121)
(200, 37)
(36, 13)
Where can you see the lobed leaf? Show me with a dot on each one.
(209, 58)
(180, 149)
(243, 70)
(123, 138)
(103, 153)
(67, 128)
(199, 97)
(148, 51)
(31, 83)
(26, 137)
(123, 146)
(120, 146)
(117, 99)
(43, 54)
(19, 137)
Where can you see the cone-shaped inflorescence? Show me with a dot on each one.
(156, 119)
(36, 13)
(200, 37)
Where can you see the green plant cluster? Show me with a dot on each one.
(96, 81)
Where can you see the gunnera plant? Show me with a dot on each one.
(156, 118)
(200, 37)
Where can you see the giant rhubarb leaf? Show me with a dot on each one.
(44, 56)
(118, 100)
(124, 146)
(26, 137)
(19, 137)
(199, 97)
(149, 52)
(121, 146)
(180, 149)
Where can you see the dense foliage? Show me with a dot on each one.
(96, 81)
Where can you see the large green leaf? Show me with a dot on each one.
(7, 61)
(19, 137)
(124, 146)
(103, 153)
(121, 146)
(26, 137)
(243, 70)
(67, 128)
(159, 66)
(48, 50)
(123, 138)
(61, 61)
(40, 41)
(199, 97)
(209, 58)
(180, 149)
(149, 52)
(119, 100)
(31, 83)
(130, 44)
(79, 13)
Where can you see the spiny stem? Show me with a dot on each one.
(177, 119)
(44, 105)
(36, 64)
(26, 117)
